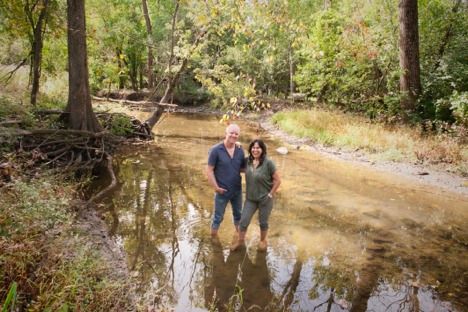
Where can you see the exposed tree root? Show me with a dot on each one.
(67, 150)
(99, 196)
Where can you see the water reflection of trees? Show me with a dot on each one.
(148, 208)
(344, 282)
(148, 221)
(153, 200)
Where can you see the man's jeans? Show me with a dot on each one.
(221, 202)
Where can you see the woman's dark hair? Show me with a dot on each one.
(262, 146)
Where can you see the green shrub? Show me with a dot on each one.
(120, 125)
(459, 106)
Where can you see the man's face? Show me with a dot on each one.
(232, 134)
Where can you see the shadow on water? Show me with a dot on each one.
(342, 238)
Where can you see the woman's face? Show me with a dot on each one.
(256, 150)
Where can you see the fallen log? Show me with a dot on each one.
(10, 122)
(134, 102)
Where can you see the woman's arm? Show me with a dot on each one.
(276, 183)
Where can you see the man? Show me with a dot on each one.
(225, 162)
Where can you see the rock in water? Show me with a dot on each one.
(282, 150)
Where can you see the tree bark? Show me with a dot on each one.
(149, 30)
(410, 83)
(36, 56)
(81, 115)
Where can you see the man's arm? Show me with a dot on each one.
(212, 180)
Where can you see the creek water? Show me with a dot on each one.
(342, 237)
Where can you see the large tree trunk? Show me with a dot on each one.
(81, 115)
(149, 30)
(36, 56)
(410, 84)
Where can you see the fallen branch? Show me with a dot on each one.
(10, 74)
(10, 122)
(50, 112)
(134, 102)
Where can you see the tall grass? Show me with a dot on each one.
(396, 143)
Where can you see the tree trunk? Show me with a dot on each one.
(36, 56)
(140, 75)
(291, 71)
(410, 84)
(149, 30)
(81, 115)
(120, 67)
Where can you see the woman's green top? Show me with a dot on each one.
(259, 180)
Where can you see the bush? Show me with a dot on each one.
(120, 125)
(459, 106)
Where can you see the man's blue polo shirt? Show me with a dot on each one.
(227, 169)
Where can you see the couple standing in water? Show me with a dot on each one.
(226, 161)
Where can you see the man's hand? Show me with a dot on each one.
(220, 190)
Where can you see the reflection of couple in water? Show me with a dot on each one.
(237, 281)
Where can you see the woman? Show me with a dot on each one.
(262, 181)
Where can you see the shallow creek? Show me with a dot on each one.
(342, 237)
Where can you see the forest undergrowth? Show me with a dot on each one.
(55, 253)
(48, 261)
